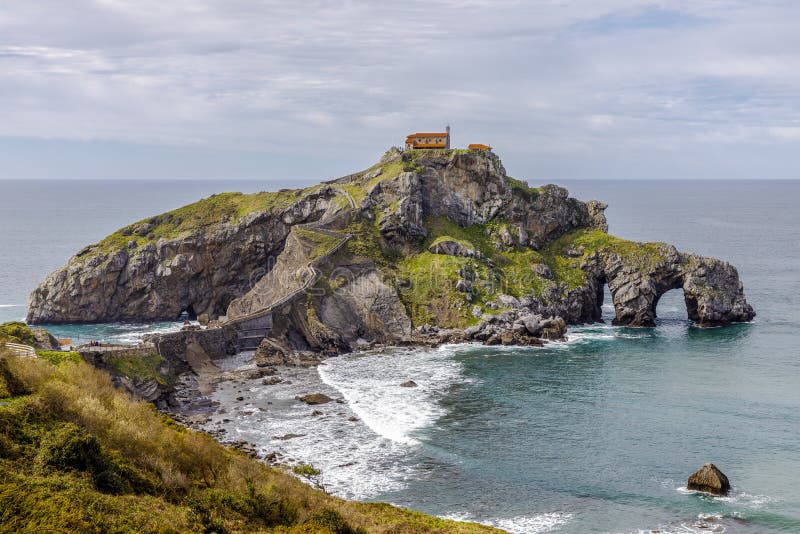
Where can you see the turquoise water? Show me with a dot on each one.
(602, 432)
(594, 435)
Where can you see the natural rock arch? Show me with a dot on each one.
(712, 291)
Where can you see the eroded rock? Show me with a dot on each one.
(709, 479)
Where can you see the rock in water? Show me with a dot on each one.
(315, 398)
(408, 384)
(710, 480)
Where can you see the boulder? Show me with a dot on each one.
(271, 380)
(553, 328)
(451, 248)
(314, 398)
(44, 340)
(532, 325)
(464, 286)
(408, 384)
(709, 479)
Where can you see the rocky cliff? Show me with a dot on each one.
(440, 240)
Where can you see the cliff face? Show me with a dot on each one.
(442, 238)
(205, 258)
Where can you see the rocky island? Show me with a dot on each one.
(424, 245)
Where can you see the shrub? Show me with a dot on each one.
(335, 523)
(16, 332)
(57, 357)
(10, 385)
(68, 446)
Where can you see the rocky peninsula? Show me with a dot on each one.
(426, 246)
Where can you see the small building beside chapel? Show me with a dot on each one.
(428, 140)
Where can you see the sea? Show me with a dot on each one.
(595, 434)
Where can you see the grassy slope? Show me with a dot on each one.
(198, 215)
(77, 455)
(429, 294)
(16, 332)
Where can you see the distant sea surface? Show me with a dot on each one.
(597, 434)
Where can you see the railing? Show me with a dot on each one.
(25, 351)
(112, 348)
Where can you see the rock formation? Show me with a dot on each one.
(709, 479)
(425, 246)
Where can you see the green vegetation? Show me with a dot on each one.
(320, 242)
(192, 217)
(358, 188)
(585, 242)
(16, 332)
(57, 357)
(367, 243)
(429, 292)
(77, 455)
(527, 192)
(143, 367)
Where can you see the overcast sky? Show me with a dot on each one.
(311, 89)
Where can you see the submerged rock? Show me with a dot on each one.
(709, 479)
(271, 380)
(314, 398)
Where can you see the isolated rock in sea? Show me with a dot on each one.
(314, 398)
(408, 384)
(709, 479)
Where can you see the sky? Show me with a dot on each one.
(591, 89)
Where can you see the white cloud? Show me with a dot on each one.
(544, 82)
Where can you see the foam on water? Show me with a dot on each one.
(9, 305)
(122, 333)
(371, 385)
(535, 524)
(363, 445)
(734, 498)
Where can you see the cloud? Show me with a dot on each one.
(548, 83)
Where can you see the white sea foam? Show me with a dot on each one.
(735, 497)
(535, 524)
(603, 332)
(371, 385)
(704, 523)
(133, 333)
(10, 305)
(364, 446)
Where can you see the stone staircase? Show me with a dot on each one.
(254, 327)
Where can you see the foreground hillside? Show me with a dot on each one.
(77, 455)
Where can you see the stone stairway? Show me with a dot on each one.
(254, 327)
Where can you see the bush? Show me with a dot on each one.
(16, 332)
(335, 523)
(10, 385)
(69, 447)
(57, 357)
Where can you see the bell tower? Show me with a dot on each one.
(448, 136)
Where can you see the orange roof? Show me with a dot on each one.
(440, 134)
(479, 146)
